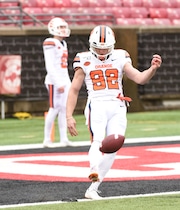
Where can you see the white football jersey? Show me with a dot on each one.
(103, 78)
(56, 62)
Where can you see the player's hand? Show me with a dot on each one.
(71, 125)
(156, 61)
(61, 89)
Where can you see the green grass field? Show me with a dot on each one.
(164, 202)
(145, 124)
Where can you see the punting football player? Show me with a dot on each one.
(102, 69)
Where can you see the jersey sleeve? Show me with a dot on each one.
(125, 58)
(77, 62)
(49, 57)
(49, 48)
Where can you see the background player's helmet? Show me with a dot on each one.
(102, 37)
(55, 27)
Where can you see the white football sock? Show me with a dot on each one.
(94, 186)
(62, 127)
(94, 155)
(49, 120)
(105, 164)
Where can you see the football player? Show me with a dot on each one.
(102, 68)
(57, 79)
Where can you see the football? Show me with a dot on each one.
(112, 143)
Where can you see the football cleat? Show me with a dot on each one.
(65, 143)
(92, 194)
(48, 144)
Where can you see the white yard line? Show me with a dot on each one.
(87, 143)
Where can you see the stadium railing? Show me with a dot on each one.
(15, 15)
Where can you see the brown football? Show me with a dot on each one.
(112, 143)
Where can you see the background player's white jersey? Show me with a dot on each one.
(56, 55)
(103, 79)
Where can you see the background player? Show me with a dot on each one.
(57, 79)
(102, 69)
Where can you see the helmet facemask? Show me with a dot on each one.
(101, 53)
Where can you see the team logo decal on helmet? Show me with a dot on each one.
(58, 27)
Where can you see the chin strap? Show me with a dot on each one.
(100, 57)
(103, 57)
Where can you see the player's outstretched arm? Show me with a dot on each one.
(143, 77)
(72, 100)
